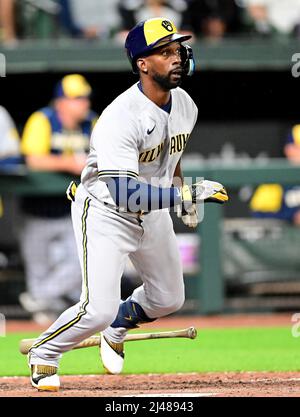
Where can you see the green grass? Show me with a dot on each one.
(231, 349)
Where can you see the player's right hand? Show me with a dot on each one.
(189, 216)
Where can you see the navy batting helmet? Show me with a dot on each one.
(154, 33)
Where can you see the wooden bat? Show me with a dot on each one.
(190, 333)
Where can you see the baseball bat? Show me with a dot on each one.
(190, 333)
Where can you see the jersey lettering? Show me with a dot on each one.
(178, 143)
(152, 154)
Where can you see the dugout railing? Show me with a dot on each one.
(237, 54)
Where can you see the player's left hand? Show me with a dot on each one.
(209, 192)
(190, 216)
(204, 191)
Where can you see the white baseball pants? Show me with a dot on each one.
(104, 240)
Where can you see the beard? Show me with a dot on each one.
(166, 82)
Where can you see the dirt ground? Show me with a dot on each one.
(246, 384)
(250, 384)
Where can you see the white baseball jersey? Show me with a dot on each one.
(9, 140)
(136, 138)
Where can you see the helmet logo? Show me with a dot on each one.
(167, 25)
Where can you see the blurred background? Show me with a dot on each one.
(244, 257)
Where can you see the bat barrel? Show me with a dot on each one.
(192, 332)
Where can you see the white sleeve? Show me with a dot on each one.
(115, 139)
(195, 109)
(255, 3)
(9, 140)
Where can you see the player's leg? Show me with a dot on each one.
(158, 263)
(52, 266)
(38, 243)
(102, 262)
(35, 239)
(64, 275)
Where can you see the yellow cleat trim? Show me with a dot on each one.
(48, 388)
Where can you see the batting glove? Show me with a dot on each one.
(203, 191)
(190, 216)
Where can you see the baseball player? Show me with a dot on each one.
(121, 208)
(9, 139)
(55, 138)
(9, 145)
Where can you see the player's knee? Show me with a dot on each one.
(167, 305)
(100, 318)
(175, 303)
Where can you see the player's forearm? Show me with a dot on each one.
(50, 163)
(292, 152)
(258, 12)
(134, 196)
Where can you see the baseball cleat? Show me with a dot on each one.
(112, 355)
(44, 378)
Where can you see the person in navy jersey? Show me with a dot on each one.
(55, 138)
(277, 201)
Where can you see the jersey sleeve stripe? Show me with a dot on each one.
(117, 173)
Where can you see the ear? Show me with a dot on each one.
(142, 65)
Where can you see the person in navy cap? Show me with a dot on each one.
(55, 138)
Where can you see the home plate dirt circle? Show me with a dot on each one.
(221, 384)
(231, 384)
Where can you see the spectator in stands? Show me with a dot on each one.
(292, 146)
(292, 152)
(279, 16)
(56, 139)
(275, 200)
(90, 19)
(134, 11)
(9, 140)
(7, 22)
(214, 19)
(9, 144)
